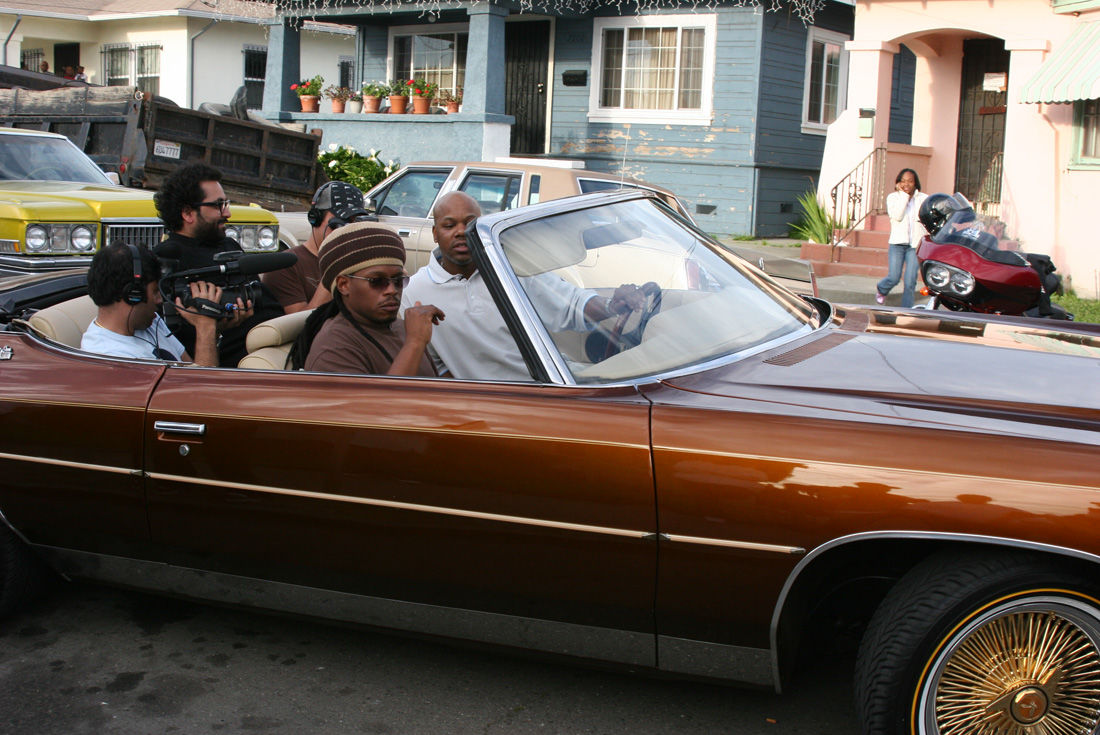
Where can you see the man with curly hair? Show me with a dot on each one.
(194, 208)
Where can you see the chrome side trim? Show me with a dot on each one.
(417, 507)
(900, 535)
(751, 545)
(715, 660)
(38, 263)
(569, 639)
(66, 463)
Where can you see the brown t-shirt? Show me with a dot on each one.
(341, 348)
(299, 282)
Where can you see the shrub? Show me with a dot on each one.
(344, 163)
(816, 224)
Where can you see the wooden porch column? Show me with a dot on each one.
(283, 67)
(484, 86)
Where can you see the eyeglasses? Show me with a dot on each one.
(379, 283)
(217, 204)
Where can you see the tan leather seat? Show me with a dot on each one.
(269, 343)
(65, 322)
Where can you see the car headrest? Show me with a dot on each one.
(278, 331)
(65, 322)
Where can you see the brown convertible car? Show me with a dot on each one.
(694, 489)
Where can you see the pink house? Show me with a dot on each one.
(1005, 107)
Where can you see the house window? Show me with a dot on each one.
(31, 59)
(347, 71)
(826, 80)
(255, 69)
(438, 57)
(1086, 119)
(132, 65)
(657, 68)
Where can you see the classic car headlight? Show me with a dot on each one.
(38, 239)
(61, 238)
(252, 238)
(82, 239)
(946, 279)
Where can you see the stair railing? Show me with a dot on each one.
(857, 196)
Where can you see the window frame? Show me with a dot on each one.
(824, 35)
(681, 21)
(1078, 160)
(132, 50)
(253, 83)
(428, 30)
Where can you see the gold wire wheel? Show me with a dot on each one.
(1027, 667)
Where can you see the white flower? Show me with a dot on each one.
(332, 164)
(333, 147)
(373, 153)
(349, 148)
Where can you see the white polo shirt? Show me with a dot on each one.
(473, 342)
(143, 344)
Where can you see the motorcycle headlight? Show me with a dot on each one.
(947, 279)
(37, 239)
(268, 238)
(82, 239)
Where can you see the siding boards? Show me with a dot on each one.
(901, 97)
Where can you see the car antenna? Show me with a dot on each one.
(626, 146)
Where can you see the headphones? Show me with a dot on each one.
(315, 216)
(134, 291)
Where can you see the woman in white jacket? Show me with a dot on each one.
(906, 232)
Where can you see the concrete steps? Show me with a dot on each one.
(861, 253)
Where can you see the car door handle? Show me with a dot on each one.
(404, 233)
(175, 427)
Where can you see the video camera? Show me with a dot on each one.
(233, 271)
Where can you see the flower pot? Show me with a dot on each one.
(310, 102)
(452, 107)
(354, 106)
(398, 102)
(371, 104)
(338, 105)
(420, 105)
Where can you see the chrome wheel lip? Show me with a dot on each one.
(1085, 616)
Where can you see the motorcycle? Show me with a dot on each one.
(965, 270)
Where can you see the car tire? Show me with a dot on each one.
(994, 643)
(21, 573)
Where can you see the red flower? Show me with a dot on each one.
(418, 92)
(293, 87)
(410, 82)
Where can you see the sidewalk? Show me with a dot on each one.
(837, 289)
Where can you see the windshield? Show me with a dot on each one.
(964, 227)
(39, 158)
(627, 290)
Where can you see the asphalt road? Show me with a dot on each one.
(89, 659)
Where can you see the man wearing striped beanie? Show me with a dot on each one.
(363, 265)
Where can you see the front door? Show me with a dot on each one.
(526, 60)
(982, 119)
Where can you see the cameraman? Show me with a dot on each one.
(194, 208)
(122, 282)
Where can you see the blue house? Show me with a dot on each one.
(725, 104)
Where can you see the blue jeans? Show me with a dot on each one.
(900, 255)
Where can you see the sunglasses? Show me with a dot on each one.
(379, 283)
(217, 204)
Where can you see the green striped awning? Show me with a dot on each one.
(1071, 72)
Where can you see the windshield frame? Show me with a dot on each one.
(534, 341)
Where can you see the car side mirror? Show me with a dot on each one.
(368, 204)
(113, 176)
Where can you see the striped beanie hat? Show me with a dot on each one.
(357, 246)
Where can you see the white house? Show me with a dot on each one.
(189, 51)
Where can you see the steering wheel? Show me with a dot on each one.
(618, 339)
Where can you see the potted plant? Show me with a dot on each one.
(355, 101)
(309, 93)
(373, 92)
(339, 97)
(451, 100)
(399, 99)
(422, 91)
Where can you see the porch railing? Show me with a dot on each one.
(859, 194)
(988, 201)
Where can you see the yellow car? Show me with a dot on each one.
(57, 207)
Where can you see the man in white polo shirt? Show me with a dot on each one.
(474, 343)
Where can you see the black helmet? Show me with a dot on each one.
(935, 210)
